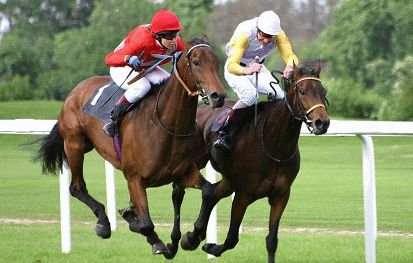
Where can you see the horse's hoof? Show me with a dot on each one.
(189, 243)
(159, 248)
(172, 250)
(103, 231)
(212, 249)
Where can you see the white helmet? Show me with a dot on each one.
(269, 23)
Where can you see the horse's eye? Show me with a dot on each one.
(195, 62)
(302, 92)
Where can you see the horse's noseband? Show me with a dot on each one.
(200, 91)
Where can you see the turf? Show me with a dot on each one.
(326, 195)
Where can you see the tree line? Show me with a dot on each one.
(366, 46)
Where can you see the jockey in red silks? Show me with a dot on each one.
(134, 54)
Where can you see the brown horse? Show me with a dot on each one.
(157, 140)
(264, 160)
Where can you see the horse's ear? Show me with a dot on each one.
(205, 39)
(318, 69)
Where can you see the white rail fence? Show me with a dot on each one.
(362, 129)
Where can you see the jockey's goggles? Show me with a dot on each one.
(262, 34)
(169, 35)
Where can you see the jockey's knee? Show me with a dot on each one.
(248, 97)
(138, 91)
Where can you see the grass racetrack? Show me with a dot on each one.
(323, 221)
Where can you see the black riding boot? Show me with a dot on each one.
(116, 115)
(235, 120)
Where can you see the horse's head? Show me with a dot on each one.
(201, 71)
(307, 98)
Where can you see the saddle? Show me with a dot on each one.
(102, 101)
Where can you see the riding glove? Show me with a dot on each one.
(134, 62)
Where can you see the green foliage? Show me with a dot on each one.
(17, 88)
(399, 105)
(26, 50)
(45, 17)
(193, 14)
(80, 53)
(402, 37)
(360, 32)
(347, 99)
(363, 42)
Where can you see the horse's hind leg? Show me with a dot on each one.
(239, 206)
(74, 150)
(278, 205)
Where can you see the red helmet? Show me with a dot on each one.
(165, 20)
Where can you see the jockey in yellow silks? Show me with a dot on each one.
(252, 41)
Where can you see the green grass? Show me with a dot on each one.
(327, 194)
(30, 109)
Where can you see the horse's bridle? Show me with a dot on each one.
(303, 114)
(200, 91)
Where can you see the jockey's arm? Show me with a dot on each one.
(284, 47)
(238, 45)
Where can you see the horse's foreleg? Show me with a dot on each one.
(143, 223)
(211, 194)
(278, 205)
(239, 206)
(75, 156)
(177, 197)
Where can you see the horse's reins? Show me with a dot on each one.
(267, 153)
(304, 119)
(190, 93)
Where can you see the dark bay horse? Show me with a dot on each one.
(157, 138)
(264, 160)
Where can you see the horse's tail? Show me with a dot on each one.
(51, 152)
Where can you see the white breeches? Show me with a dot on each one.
(140, 88)
(244, 86)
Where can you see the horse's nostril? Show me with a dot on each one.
(214, 96)
(322, 125)
(318, 123)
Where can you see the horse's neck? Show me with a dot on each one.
(177, 110)
(280, 128)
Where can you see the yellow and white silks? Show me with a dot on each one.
(242, 50)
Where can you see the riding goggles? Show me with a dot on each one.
(168, 35)
(262, 34)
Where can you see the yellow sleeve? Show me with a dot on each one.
(238, 45)
(284, 47)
